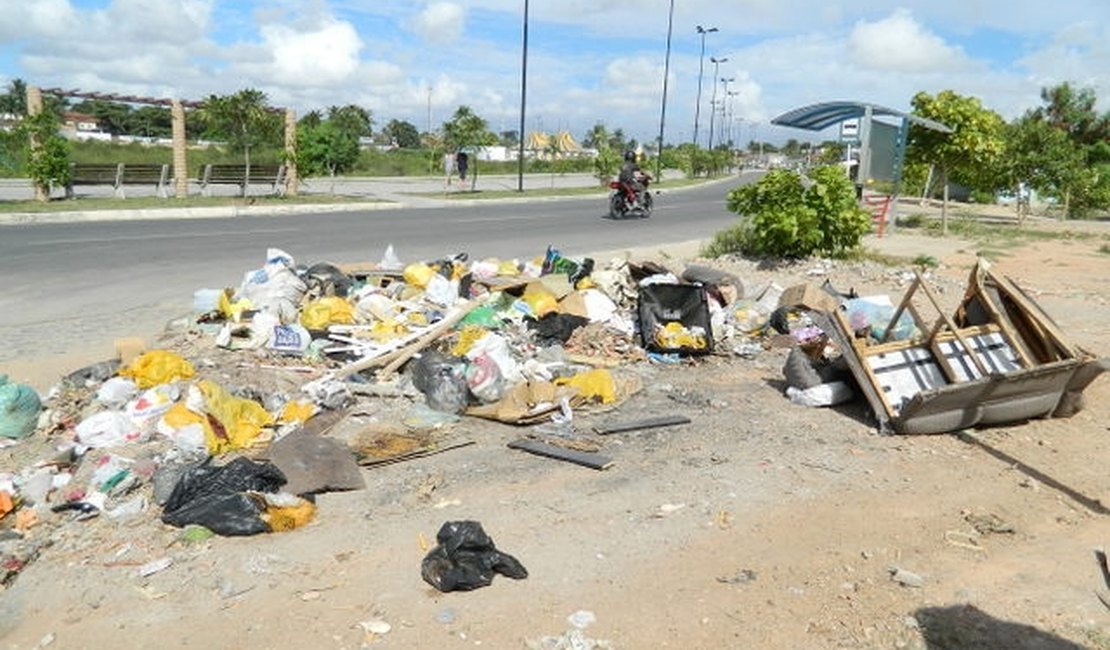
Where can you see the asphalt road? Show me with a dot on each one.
(69, 286)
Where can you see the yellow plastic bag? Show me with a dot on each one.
(233, 310)
(593, 384)
(468, 336)
(231, 422)
(329, 310)
(298, 410)
(418, 274)
(675, 335)
(158, 367)
(539, 299)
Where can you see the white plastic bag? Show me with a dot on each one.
(107, 429)
(829, 394)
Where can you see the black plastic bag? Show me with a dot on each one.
(554, 327)
(217, 498)
(465, 558)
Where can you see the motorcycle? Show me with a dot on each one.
(626, 201)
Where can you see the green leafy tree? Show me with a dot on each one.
(597, 137)
(606, 164)
(465, 129)
(1086, 184)
(325, 149)
(151, 122)
(783, 216)
(403, 133)
(311, 119)
(352, 120)
(47, 163)
(1041, 157)
(975, 143)
(14, 101)
(509, 138)
(244, 120)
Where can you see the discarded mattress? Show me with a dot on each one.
(999, 358)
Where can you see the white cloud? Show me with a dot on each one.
(440, 22)
(898, 43)
(323, 55)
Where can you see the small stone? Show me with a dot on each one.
(376, 626)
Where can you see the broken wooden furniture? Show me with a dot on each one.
(999, 358)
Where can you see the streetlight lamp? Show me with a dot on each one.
(728, 124)
(663, 109)
(523, 91)
(701, 66)
(713, 103)
(724, 100)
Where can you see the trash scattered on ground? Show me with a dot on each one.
(465, 558)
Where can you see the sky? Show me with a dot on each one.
(588, 61)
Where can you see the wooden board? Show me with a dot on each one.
(647, 423)
(588, 459)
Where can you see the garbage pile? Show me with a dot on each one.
(220, 425)
(223, 427)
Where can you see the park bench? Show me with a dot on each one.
(118, 176)
(243, 176)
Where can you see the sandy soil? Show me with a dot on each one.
(759, 525)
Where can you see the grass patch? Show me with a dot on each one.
(1104, 249)
(151, 202)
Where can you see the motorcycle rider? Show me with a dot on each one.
(631, 176)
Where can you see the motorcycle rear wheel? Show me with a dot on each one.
(617, 208)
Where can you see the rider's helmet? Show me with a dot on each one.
(630, 156)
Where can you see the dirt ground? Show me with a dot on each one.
(760, 524)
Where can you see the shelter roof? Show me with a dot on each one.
(816, 117)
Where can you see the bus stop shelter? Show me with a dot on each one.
(882, 145)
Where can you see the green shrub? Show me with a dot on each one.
(788, 217)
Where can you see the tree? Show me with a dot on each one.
(466, 129)
(353, 120)
(113, 117)
(245, 120)
(509, 138)
(403, 133)
(325, 149)
(48, 161)
(14, 102)
(310, 119)
(597, 137)
(1086, 184)
(1041, 157)
(784, 216)
(974, 144)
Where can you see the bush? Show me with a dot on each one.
(784, 216)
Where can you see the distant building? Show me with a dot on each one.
(74, 123)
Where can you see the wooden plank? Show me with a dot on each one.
(585, 458)
(955, 330)
(862, 351)
(647, 423)
(422, 452)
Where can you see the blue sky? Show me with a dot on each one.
(589, 61)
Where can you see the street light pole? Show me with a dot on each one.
(724, 102)
(713, 103)
(523, 92)
(663, 110)
(701, 67)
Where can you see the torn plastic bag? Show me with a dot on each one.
(466, 558)
(217, 497)
(442, 379)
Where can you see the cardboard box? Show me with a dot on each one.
(810, 296)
